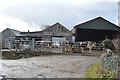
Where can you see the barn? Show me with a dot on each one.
(95, 30)
(16, 39)
(55, 32)
(8, 37)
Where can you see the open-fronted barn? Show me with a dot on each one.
(95, 30)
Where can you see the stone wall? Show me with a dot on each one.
(110, 60)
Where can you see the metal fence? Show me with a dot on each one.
(63, 47)
(66, 47)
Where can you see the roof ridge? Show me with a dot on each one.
(15, 30)
(100, 25)
(89, 20)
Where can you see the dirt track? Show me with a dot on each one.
(47, 66)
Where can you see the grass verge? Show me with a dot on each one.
(96, 71)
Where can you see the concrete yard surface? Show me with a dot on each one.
(62, 66)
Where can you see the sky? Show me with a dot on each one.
(24, 15)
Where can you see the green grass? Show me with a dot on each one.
(96, 71)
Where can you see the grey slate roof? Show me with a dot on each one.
(98, 23)
(16, 32)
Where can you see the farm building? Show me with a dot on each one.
(8, 37)
(95, 30)
(22, 40)
(56, 31)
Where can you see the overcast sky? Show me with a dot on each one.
(24, 15)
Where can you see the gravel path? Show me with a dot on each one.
(47, 67)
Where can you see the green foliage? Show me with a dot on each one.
(108, 44)
(96, 71)
(110, 60)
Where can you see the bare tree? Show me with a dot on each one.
(44, 27)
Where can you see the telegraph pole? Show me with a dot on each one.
(119, 40)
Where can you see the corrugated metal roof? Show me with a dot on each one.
(98, 23)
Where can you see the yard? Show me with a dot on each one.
(58, 66)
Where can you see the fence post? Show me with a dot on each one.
(63, 47)
(33, 44)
